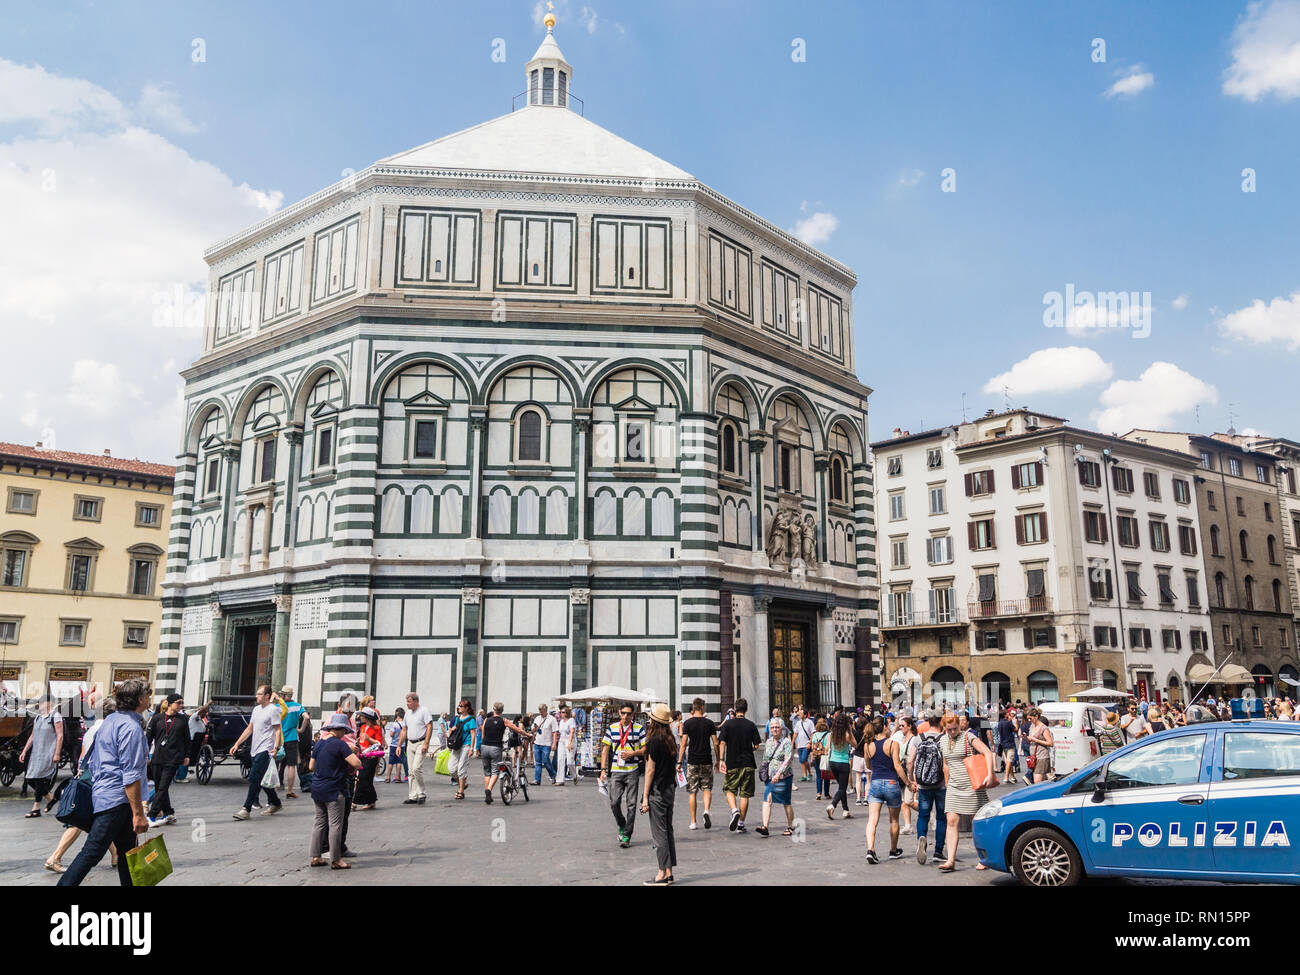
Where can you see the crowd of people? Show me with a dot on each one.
(906, 765)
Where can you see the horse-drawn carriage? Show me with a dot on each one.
(16, 724)
(227, 719)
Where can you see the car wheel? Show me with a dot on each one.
(1043, 857)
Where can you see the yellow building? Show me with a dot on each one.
(83, 542)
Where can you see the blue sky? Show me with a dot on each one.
(1122, 175)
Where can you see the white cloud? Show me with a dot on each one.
(1133, 83)
(588, 19)
(1278, 321)
(1152, 400)
(1266, 52)
(159, 104)
(105, 222)
(1180, 302)
(1052, 370)
(815, 228)
(909, 178)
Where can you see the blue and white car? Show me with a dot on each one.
(1211, 801)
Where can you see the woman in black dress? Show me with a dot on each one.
(660, 791)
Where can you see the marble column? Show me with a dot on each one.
(470, 665)
(216, 674)
(280, 644)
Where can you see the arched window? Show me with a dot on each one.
(321, 425)
(1277, 595)
(209, 454)
(1245, 548)
(1272, 550)
(530, 435)
(1249, 583)
(1214, 541)
(837, 479)
(1218, 590)
(1110, 680)
(841, 447)
(1042, 686)
(729, 458)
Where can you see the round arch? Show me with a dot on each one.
(199, 418)
(806, 405)
(391, 368)
(683, 400)
(298, 411)
(854, 435)
(481, 396)
(246, 403)
(1043, 686)
(748, 395)
(995, 686)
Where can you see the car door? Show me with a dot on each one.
(1153, 818)
(1255, 802)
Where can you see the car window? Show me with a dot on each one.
(1085, 784)
(1059, 719)
(1096, 717)
(1164, 761)
(1260, 755)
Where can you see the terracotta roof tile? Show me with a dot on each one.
(96, 461)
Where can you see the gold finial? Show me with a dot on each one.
(549, 19)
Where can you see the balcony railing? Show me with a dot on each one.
(990, 608)
(923, 617)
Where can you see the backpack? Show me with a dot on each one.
(928, 768)
(456, 739)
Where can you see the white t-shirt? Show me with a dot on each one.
(544, 729)
(567, 728)
(266, 722)
(417, 724)
(1134, 726)
(803, 732)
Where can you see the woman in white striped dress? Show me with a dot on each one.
(964, 798)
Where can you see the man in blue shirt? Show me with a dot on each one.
(118, 760)
(289, 734)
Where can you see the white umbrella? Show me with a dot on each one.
(610, 692)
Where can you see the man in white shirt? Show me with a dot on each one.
(415, 739)
(1133, 724)
(264, 729)
(568, 743)
(803, 729)
(546, 735)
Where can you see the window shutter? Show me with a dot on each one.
(970, 484)
(970, 531)
(1015, 476)
(1038, 472)
(992, 537)
(1114, 637)
(1020, 527)
(929, 551)
(1027, 634)
(1083, 472)
(1105, 528)
(1151, 526)
(933, 607)
(989, 475)
(1110, 586)
(1042, 526)
(1051, 636)
(1002, 639)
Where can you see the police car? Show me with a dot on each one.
(1211, 801)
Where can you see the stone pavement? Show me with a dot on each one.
(563, 835)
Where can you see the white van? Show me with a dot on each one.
(1073, 725)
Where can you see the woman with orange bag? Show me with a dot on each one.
(965, 778)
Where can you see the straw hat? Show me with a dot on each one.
(662, 714)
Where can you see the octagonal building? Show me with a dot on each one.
(520, 411)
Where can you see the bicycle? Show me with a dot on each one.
(510, 781)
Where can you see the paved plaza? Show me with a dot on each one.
(563, 835)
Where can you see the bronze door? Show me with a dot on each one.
(252, 663)
(789, 660)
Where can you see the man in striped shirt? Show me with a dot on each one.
(626, 742)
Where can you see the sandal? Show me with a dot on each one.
(340, 865)
(55, 866)
(318, 861)
(787, 832)
(34, 814)
(460, 795)
(948, 868)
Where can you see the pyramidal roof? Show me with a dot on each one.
(539, 139)
(545, 137)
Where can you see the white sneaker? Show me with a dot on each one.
(271, 810)
(155, 823)
(794, 788)
(171, 820)
(242, 814)
(906, 830)
(692, 826)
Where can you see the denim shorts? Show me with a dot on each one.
(491, 755)
(803, 755)
(886, 791)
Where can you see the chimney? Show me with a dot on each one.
(107, 452)
(907, 433)
(39, 445)
(898, 432)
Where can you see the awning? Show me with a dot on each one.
(1228, 674)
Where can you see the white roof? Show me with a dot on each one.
(539, 139)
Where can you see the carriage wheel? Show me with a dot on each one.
(244, 768)
(203, 771)
(6, 775)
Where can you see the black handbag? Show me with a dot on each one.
(75, 807)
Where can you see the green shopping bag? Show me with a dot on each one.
(149, 863)
(442, 762)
